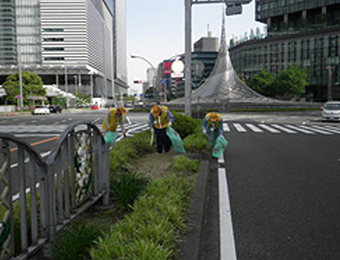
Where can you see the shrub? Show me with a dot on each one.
(128, 149)
(183, 163)
(126, 187)
(184, 125)
(197, 142)
(153, 229)
(74, 242)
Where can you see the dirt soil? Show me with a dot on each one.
(155, 165)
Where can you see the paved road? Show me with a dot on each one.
(283, 180)
(42, 131)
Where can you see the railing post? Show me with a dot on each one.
(22, 198)
(106, 174)
(6, 206)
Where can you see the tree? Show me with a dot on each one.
(263, 83)
(291, 81)
(83, 100)
(32, 85)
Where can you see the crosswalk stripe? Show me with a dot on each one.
(254, 128)
(316, 130)
(332, 127)
(284, 129)
(270, 129)
(327, 129)
(299, 129)
(226, 127)
(239, 128)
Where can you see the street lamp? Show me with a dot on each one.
(20, 80)
(154, 71)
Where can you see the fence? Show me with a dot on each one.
(53, 190)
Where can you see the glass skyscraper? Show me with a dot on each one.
(302, 32)
(7, 33)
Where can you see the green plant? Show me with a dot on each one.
(196, 143)
(128, 149)
(74, 242)
(184, 125)
(152, 230)
(183, 163)
(126, 187)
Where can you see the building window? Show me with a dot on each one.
(53, 30)
(53, 39)
(333, 46)
(54, 58)
(53, 49)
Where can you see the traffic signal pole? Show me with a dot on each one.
(188, 3)
(187, 58)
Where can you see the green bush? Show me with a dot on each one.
(183, 163)
(74, 242)
(196, 143)
(126, 187)
(184, 125)
(152, 230)
(128, 149)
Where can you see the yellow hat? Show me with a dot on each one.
(156, 110)
(122, 110)
(213, 117)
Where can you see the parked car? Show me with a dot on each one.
(129, 104)
(41, 110)
(331, 111)
(55, 109)
(94, 107)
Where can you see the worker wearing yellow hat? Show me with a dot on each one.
(212, 126)
(160, 118)
(114, 117)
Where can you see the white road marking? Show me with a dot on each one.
(299, 129)
(327, 129)
(284, 129)
(316, 130)
(239, 128)
(270, 129)
(226, 127)
(227, 241)
(254, 128)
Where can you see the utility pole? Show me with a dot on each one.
(187, 58)
(233, 7)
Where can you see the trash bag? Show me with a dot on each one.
(220, 145)
(110, 137)
(176, 140)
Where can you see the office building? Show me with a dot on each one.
(203, 61)
(300, 32)
(7, 33)
(72, 45)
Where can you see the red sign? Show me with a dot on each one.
(167, 67)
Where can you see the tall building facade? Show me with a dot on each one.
(70, 44)
(300, 32)
(7, 33)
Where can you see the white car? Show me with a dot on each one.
(41, 110)
(331, 111)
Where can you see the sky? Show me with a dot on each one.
(156, 30)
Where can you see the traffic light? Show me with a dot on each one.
(137, 81)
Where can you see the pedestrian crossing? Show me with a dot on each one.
(56, 130)
(228, 127)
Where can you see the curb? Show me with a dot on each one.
(191, 242)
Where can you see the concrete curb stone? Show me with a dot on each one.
(190, 247)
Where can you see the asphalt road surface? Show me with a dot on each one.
(283, 178)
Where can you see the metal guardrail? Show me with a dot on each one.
(52, 190)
